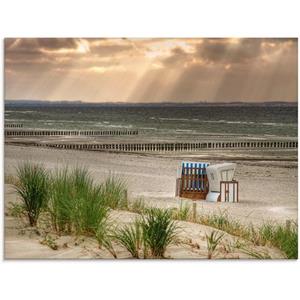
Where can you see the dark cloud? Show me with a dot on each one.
(109, 50)
(222, 50)
(178, 56)
(57, 43)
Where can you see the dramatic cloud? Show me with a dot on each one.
(152, 70)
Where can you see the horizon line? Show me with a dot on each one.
(149, 102)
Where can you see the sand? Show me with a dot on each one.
(268, 189)
(23, 242)
(268, 192)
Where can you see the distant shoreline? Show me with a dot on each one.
(63, 103)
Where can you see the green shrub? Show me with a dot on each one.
(32, 187)
(159, 231)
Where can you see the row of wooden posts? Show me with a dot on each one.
(18, 133)
(168, 147)
(13, 125)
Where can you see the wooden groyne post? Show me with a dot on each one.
(28, 132)
(170, 147)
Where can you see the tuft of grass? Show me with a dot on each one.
(76, 204)
(104, 235)
(213, 240)
(255, 254)
(32, 187)
(138, 206)
(284, 237)
(61, 199)
(159, 231)
(183, 213)
(10, 179)
(114, 191)
(131, 238)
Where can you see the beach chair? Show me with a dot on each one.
(222, 186)
(192, 180)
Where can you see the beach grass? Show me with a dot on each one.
(76, 204)
(255, 254)
(212, 241)
(159, 231)
(284, 237)
(131, 237)
(10, 179)
(32, 187)
(137, 206)
(183, 213)
(114, 191)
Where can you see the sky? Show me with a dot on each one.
(152, 70)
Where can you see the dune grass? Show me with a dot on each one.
(70, 198)
(10, 179)
(255, 254)
(213, 240)
(159, 231)
(137, 206)
(283, 237)
(76, 204)
(183, 213)
(131, 237)
(114, 191)
(149, 235)
(32, 187)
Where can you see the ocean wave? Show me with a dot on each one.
(174, 119)
(148, 128)
(184, 130)
(278, 124)
(25, 111)
(229, 122)
(250, 123)
(117, 126)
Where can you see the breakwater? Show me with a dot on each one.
(167, 147)
(13, 125)
(33, 133)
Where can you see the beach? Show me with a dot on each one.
(268, 193)
(268, 189)
(262, 142)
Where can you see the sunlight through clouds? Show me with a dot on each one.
(152, 70)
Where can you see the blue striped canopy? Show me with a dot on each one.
(189, 165)
(198, 169)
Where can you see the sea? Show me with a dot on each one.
(248, 121)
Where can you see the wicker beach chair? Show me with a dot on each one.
(192, 180)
